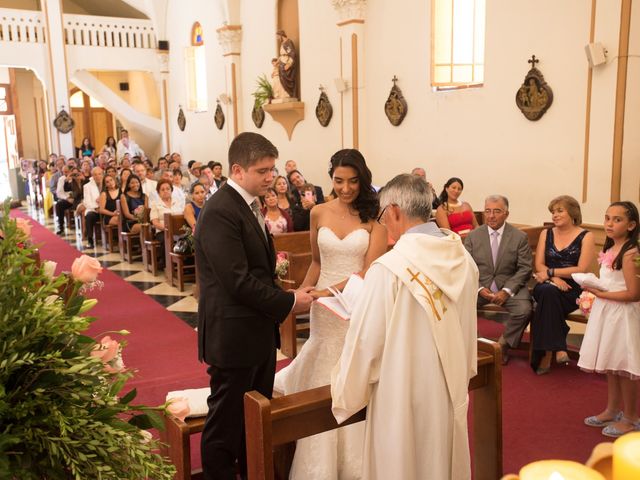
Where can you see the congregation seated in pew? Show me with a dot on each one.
(192, 209)
(276, 219)
(452, 213)
(133, 204)
(166, 204)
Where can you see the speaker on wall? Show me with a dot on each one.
(596, 54)
(124, 86)
(163, 45)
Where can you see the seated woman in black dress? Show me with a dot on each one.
(107, 201)
(192, 209)
(564, 249)
(132, 201)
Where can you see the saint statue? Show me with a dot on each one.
(288, 65)
(276, 85)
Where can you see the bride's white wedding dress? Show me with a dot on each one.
(336, 454)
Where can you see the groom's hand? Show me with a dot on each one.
(303, 300)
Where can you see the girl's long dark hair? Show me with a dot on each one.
(631, 211)
(367, 203)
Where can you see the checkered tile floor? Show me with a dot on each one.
(181, 304)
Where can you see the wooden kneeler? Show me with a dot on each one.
(278, 422)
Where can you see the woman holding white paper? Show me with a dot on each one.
(345, 239)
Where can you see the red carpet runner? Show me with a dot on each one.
(542, 416)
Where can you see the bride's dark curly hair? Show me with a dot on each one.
(367, 203)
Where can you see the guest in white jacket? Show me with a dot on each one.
(91, 201)
(410, 350)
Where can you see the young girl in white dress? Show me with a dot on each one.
(345, 239)
(611, 342)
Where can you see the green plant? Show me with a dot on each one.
(60, 413)
(263, 93)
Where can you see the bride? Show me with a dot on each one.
(345, 239)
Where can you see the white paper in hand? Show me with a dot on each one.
(589, 280)
(342, 303)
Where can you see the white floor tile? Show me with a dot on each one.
(187, 304)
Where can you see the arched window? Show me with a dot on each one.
(458, 43)
(196, 67)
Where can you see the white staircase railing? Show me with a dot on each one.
(21, 26)
(92, 31)
(26, 26)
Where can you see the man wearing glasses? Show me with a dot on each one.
(504, 260)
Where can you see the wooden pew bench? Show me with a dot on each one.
(276, 423)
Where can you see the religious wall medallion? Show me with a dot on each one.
(219, 117)
(324, 110)
(63, 122)
(257, 115)
(534, 96)
(182, 121)
(396, 106)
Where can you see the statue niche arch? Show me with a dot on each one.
(287, 21)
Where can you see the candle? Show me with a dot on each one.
(626, 457)
(558, 470)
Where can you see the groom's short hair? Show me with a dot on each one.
(248, 148)
(410, 193)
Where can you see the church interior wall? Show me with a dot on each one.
(631, 146)
(201, 139)
(143, 93)
(30, 94)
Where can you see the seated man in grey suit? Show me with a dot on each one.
(504, 260)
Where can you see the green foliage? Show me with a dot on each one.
(263, 93)
(60, 414)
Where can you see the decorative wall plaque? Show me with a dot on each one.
(182, 121)
(219, 116)
(396, 106)
(324, 110)
(534, 96)
(257, 115)
(63, 122)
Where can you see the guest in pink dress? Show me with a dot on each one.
(276, 219)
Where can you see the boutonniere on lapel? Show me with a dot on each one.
(431, 292)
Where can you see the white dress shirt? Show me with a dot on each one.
(90, 196)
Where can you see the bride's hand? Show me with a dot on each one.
(320, 293)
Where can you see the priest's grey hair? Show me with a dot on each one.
(410, 193)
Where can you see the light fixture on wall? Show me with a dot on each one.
(224, 98)
(596, 54)
(341, 85)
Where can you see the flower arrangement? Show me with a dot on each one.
(264, 92)
(585, 302)
(282, 267)
(62, 411)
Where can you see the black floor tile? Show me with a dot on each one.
(142, 286)
(190, 318)
(166, 300)
(125, 273)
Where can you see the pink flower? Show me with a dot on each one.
(106, 350)
(585, 302)
(24, 225)
(179, 408)
(281, 256)
(85, 269)
(606, 258)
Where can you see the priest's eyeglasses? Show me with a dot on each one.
(380, 218)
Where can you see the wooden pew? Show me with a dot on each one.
(294, 242)
(276, 423)
(298, 266)
(285, 419)
(179, 267)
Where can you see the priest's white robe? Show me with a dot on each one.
(409, 354)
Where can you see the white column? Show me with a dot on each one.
(230, 39)
(162, 80)
(58, 95)
(351, 17)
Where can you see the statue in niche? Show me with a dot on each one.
(287, 66)
(276, 85)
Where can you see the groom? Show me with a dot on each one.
(240, 307)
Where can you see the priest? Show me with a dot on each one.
(410, 350)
